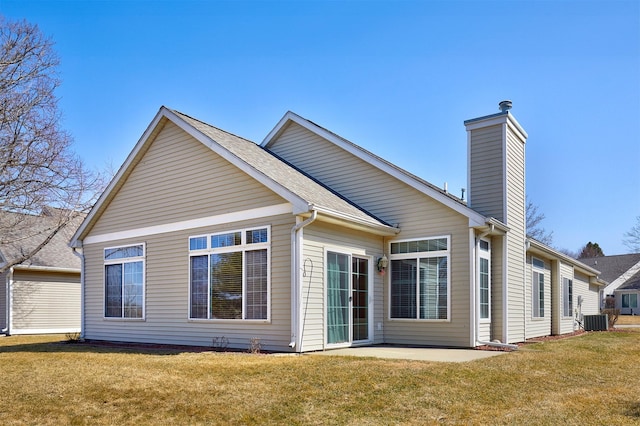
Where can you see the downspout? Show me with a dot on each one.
(296, 253)
(81, 256)
(473, 315)
(527, 244)
(476, 317)
(8, 296)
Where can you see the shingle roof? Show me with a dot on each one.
(612, 267)
(632, 283)
(283, 173)
(56, 254)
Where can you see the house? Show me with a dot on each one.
(623, 274)
(309, 242)
(42, 294)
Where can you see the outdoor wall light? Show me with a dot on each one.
(383, 262)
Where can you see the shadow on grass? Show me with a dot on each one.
(633, 410)
(98, 346)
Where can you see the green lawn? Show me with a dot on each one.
(590, 379)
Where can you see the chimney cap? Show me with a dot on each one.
(505, 105)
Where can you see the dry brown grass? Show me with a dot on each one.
(582, 380)
(628, 320)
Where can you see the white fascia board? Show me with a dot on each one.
(538, 247)
(613, 286)
(76, 239)
(353, 222)
(201, 222)
(279, 127)
(475, 218)
(496, 119)
(299, 205)
(46, 269)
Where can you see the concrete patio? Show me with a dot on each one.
(412, 353)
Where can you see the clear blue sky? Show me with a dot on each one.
(398, 78)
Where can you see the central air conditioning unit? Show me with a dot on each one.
(598, 322)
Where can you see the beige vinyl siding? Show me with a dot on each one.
(395, 202)
(536, 326)
(4, 302)
(566, 324)
(357, 180)
(45, 302)
(486, 171)
(432, 219)
(321, 237)
(178, 179)
(167, 293)
(515, 181)
(589, 292)
(484, 331)
(497, 289)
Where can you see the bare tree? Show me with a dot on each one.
(632, 237)
(39, 172)
(534, 229)
(568, 252)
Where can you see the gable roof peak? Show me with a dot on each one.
(427, 188)
(302, 192)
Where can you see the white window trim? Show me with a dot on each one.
(106, 262)
(629, 294)
(439, 253)
(351, 253)
(244, 246)
(565, 298)
(482, 254)
(535, 269)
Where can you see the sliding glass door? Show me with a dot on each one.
(347, 298)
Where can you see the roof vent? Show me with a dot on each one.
(505, 106)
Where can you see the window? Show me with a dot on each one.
(567, 297)
(538, 288)
(229, 277)
(124, 282)
(420, 279)
(629, 300)
(484, 280)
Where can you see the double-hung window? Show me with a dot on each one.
(538, 288)
(484, 279)
(420, 279)
(229, 275)
(567, 297)
(124, 281)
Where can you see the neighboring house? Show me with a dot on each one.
(42, 294)
(309, 242)
(623, 274)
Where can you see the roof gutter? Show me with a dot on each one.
(538, 246)
(47, 268)
(352, 222)
(296, 280)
